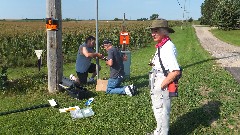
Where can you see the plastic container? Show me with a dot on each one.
(77, 113)
(87, 112)
(81, 113)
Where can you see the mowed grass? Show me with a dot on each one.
(231, 37)
(208, 101)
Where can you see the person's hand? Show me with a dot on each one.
(99, 55)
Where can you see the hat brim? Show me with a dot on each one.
(170, 30)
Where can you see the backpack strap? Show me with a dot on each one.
(165, 72)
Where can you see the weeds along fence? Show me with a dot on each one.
(18, 40)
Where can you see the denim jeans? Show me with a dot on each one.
(114, 87)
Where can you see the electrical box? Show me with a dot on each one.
(124, 38)
(51, 24)
(127, 64)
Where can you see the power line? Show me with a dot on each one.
(184, 9)
(179, 3)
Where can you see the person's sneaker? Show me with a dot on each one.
(150, 133)
(71, 77)
(133, 89)
(128, 91)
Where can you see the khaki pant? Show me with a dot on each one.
(161, 103)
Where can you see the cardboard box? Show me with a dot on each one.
(101, 85)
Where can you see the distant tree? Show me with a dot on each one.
(227, 13)
(154, 16)
(142, 19)
(207, 10)
(190, 20)
(67, 19)
(116, 19)
(221, 13)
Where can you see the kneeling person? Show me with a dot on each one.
(83, 62)
(115, 62)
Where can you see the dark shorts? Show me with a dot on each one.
(83, 76)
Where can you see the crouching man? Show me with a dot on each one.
(115, 61)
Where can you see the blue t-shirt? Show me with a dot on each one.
(117, 69)
(82, 62)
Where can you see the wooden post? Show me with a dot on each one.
(54, 46)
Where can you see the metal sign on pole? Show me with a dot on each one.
(39, 56)
(54, 44)
(97, 49)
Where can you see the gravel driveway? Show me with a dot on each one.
(228, 56)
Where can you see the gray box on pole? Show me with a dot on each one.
(127, 63)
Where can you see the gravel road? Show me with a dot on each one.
(228, 56)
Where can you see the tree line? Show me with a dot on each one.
(224, 14)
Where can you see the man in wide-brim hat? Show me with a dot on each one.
(161, 23)
(165, 70)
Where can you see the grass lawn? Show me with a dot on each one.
(208, 101)
(231, 37)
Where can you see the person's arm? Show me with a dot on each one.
(170, 78)
(110, 56)
(87, 54)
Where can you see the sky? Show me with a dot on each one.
(107, 9)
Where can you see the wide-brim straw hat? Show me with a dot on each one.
(161, 24)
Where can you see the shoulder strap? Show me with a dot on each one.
(160, 61)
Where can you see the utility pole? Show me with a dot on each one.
(97, 46)
(183, 14)
(54, 44)
(123, 30)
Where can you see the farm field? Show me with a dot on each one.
(25, 37)
(208, 101)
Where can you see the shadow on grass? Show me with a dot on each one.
(140, 84)
(205, 116)
(80, 92)
(25, 109)
(25, 83)
(37, 83)
(200, 62)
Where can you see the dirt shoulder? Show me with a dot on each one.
(228, 56)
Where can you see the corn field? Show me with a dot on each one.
(18, 40)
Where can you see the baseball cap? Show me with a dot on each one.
(107, 41)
